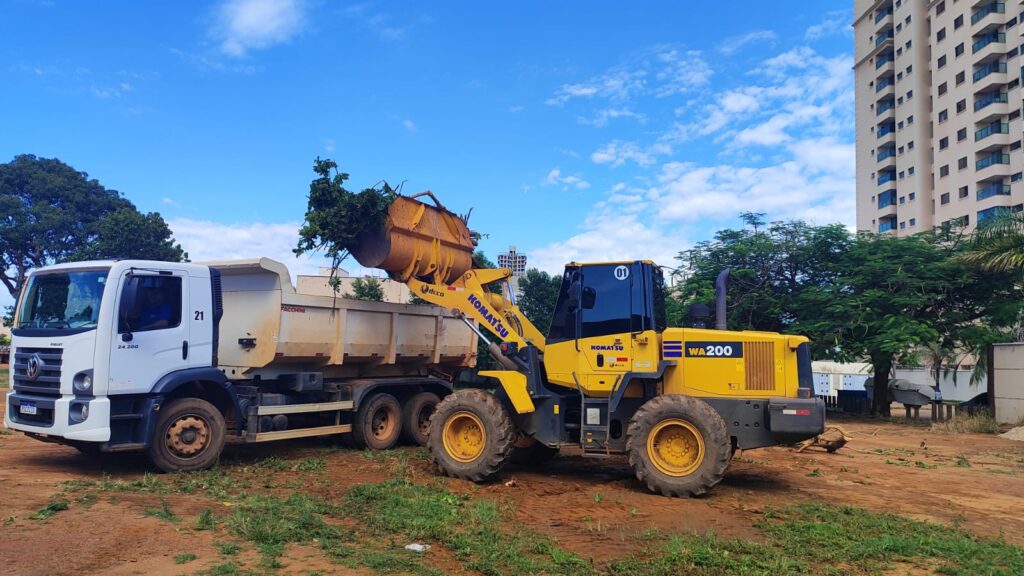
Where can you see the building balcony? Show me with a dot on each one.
(887, 224)
(883, 17)
(988, 14)
(989, 76)
(994, 189)
(885, 82)
(990, 106)
(889, 176)
(995, 135)
(884, 106)
(993, 165)
(989, 47)
(883, 37)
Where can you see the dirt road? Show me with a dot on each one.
(592, 507)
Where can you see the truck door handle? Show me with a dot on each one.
(600, 360)
(184, 349)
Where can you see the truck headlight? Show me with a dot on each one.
(79, 412)
(82, 384)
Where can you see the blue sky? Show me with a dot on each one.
(590, 131)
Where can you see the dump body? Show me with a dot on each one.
(268, 328)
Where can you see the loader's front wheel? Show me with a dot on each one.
(678, 445)
(471, 435)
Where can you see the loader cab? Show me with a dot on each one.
(607, 299)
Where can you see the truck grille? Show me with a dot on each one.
(760, 364)
(47, 376)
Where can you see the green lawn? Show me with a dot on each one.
(4, 376)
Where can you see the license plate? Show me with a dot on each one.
(28, 408)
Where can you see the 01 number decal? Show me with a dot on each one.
(713, 349)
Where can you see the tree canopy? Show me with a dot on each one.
(50, 212)
(539, 291)
(367, 288)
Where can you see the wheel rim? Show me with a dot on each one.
(188, 436)
(675, 447)
(464, 436)
(383, 423)
(423, 419)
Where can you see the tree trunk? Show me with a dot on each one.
(882, 366)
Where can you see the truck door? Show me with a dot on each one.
(606, 323)
(152, 334)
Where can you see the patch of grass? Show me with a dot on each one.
(50, 509)
(898, 462)
(833, 540)
(815, 473)
(476, 532)
(272, 463)
(5, 377)
(311, 465)
(924, 465)
(980, 422)
(962, 462)
(226, 569)
(164, 512)
(184, 558)
(206, 520)
(271, 522)
(229, 549)
(892, 451)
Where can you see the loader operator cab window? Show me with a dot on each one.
(605, 299)
(150, 303)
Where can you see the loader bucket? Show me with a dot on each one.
(419, 241)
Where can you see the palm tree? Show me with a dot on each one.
(998, 245)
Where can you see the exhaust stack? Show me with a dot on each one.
(721, 286)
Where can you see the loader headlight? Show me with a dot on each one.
(82, 384)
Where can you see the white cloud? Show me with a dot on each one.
(618, 153)
(381, 24)
(329, 145)
(555, 178)
(614, 84)
(682, 72)
(244, 25)
(603, 116)
(206, 240)
(170, 202)
(836, 22)
(734, 44)
(409, 125)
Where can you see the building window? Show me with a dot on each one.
(958, 22)
(943, 88)
(900, 150)
(961, 77)
(910, 69)
(959, 50)
(903, 225)
(961, 163)
(913, 221)
(961, 106)
(1016, 177)
(962, 192)
(910, 145)
(912, 196)
(944, 171)
(899, 76)
(902, 174)
(944, 143)
(944, 199)
(1015, 114)
(943, 116)
(910, 120)
(1015, 145)
(910, 94)
(940, 35)
(940, 8)
(942, 61)
(910, 171)
(961, 134)
(900, 125)
(991, 213)
(903, 199)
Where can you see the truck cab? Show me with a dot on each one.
(88, 333)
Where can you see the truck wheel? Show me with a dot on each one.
(189, 436)
(378, 423)
(416, 417)
(471, 435)
(529, 452)
(678, 445)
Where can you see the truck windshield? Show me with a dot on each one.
(63, 300)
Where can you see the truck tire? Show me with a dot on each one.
(471, 435)
(189, 435)
(678, 445)
(378, 423)
(528, 452)
(416, 415)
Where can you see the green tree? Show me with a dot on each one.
(539, 291)
(773, 265)
(998, 245)
(368, 288)
(49, 212)
(129, 234)
(5, 340)
(894, 297)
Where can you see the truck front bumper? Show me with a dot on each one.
(52, 416)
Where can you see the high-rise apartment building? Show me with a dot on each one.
(515, 262)
(939, 103)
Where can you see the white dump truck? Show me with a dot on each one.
(177, 359)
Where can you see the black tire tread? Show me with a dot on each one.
(410, 430)
(163, 460)
(501, 435)
(717, 445)
(360, 438)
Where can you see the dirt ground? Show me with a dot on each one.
(592, 507)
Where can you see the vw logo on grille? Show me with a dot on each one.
(34, 367)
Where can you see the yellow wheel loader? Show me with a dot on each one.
(609, 375)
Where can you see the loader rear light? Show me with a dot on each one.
(798, 412)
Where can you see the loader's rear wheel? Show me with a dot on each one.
(471, 435)
(529, 452)
(189, 436)
(378, 423)
(416, 415)
(678, 445)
